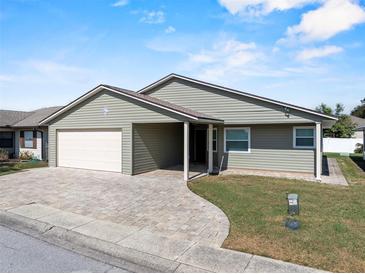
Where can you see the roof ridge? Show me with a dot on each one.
(165, 103)
(24, 111)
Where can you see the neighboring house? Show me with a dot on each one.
(344, 145)
(20, 131)
(179, 120)
(360, 122)
(363, 136)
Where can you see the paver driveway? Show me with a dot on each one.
(159, 204)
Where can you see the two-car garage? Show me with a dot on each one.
(90, 149)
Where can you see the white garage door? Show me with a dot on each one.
(99, 150)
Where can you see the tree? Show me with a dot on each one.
(339, 110)
(344, 127)
(359, 110)
(323, 108)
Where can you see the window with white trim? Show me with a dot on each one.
(28, 139)
(304, 137)
(237, 140)
(215, 138)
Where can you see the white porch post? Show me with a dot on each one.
(210, 148)
(186, 151)
(318, 151)
(363, 145)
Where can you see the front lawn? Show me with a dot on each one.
(8, 168)
(332, 233)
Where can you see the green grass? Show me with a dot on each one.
(332, 233)
(353, 167)
(9, 168)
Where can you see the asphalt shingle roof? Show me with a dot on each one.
(14, 118)
(10, 117)
(360, 122)
(162, 103)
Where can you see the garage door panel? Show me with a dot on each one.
(99, 150)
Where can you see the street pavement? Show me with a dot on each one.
(23, 253)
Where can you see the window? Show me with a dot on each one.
(215, 136)
(237, 140)
(6, 139)
(28, 139)
(304, 137)
(215, 139)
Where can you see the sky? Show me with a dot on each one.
(303, 52)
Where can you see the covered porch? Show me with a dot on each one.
(179, 150)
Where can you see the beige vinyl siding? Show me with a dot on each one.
(271, 149)
(157, 146)
(122, 112)
(232, 108)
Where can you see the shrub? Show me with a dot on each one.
(4, 154)
(26, 155)
(359, 148)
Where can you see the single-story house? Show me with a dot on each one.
(344, 145)
(179, 121)
(359, 122)
(20, 131)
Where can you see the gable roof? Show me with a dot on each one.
(139, 97)
(10, 117)
(360, 122)
(33, 120)
(13, 118)
(245, 94)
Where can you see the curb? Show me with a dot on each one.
(199, 258)
(122, 257)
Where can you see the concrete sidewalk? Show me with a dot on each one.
(135, 245)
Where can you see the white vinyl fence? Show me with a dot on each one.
(340, 144)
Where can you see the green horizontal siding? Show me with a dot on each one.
(122, 112)
(271, 149)
(157, 146)
(232, 108)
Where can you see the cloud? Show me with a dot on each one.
(170, 29)
(40, 71)
(120, 3)
(153, 17)
(230, 52)
(262, 7)
(6, 78)
(225, 57)
(52, 68)
(333, 17)
(182, 43)
(308, 54)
